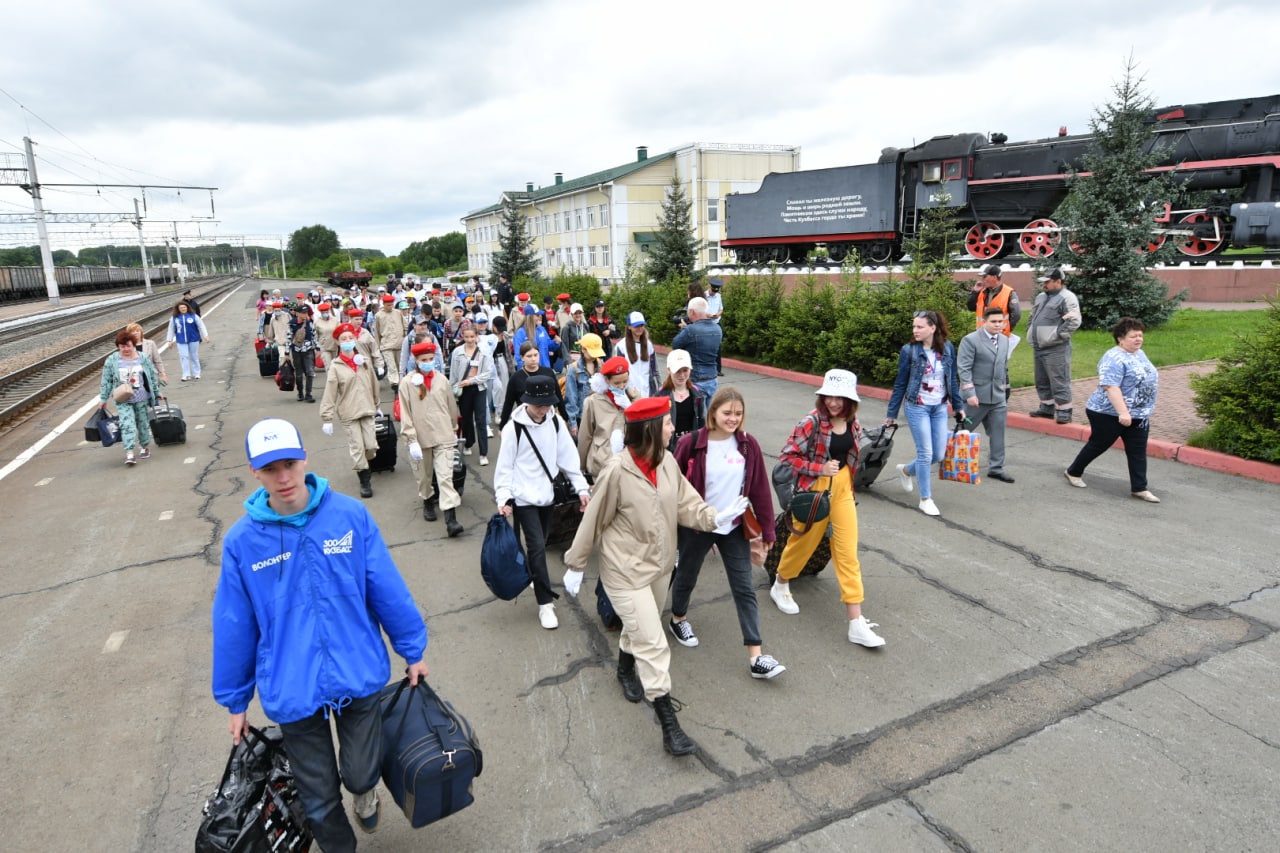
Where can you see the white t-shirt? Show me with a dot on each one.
(639, 375)
(933, 384)
(726, 473)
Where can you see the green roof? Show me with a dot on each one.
(570, 186)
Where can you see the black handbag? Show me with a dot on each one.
(561, 486)
(808, 509)
(430, 755)
(255, 808)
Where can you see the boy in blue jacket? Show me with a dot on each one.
(307, 586)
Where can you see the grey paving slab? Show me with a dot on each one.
(1186, 763)
(893, 826)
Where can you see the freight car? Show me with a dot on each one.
(1005, 194)
(18, 283)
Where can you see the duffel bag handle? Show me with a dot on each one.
(437, 725)
(254, 731)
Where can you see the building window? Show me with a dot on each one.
(604, 255)
(713, 253)
(713, 210)
(577, 218)
(591, 256)
(591, 216)
(604, 216)
(582, 258)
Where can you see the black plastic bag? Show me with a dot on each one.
(255, 808)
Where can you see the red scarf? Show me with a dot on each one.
(350, 362)
(646, 467)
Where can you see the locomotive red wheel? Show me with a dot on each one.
(1197, 247)
(983, 241)
(1157, 242)
(1043, 243)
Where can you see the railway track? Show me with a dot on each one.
(26, 387)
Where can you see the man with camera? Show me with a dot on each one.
(700, 336)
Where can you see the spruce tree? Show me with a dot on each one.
(675, 250)
(1108, 213)
(514, 258)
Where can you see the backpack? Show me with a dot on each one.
(784, 478)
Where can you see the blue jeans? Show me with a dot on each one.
(708, 387)
(320, 775)
(735, 552)
(189, 355)
(929, 432)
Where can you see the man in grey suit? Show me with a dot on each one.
(983, 369)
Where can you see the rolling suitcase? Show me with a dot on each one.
(167, 424)
(385, 430)
(268, 362)
(873, 455)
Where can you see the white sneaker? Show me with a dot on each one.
(928, 507)
(781, 595)
(860, 632)
(904, 479)
(484, 460)
(488, 432)
(466, 451)
(547, 616)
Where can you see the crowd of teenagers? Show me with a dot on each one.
(662, 469)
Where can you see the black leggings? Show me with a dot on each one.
(1105, 430)
(473, 406)
(532, 525)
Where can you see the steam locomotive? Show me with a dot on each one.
(1006, 193)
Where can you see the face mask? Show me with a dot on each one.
(426, 366)
(347, 346)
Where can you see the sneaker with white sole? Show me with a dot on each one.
(488, 432)
(904, 479)
(129, 460)
(547, 616)
(860, 632)
(144, 453)
(683, 632)
(367, 809)
(1078, 482)
(484, 460)
(928, 507)
(781, 595)
(466, 451)
(764, 666)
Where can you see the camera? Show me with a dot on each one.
(681, 317)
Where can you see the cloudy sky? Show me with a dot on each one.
(388, 120)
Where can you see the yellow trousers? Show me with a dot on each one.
(844, 539)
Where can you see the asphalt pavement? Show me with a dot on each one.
(1066, 669)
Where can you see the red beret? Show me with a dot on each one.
(277, 304)
(343, 327)
(424, 347)
(323, 306)
(523, 297)
(355, 312)
(564, 297)
(616, 366)
(648, 409)
(435, 292)
(299, 296)
(387, 297)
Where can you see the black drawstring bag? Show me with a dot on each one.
(255, 808)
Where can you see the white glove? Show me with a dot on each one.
(615, 441)
(735, 509)
(415, 451)
(379, 411)
(572, 582)
(327, 429)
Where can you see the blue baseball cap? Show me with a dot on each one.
(271, 440)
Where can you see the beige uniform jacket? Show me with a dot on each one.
(635, 524)
(600, 417)
(349, 394)
(324, 332)
(433, 420)
(389, 329)
(368, 347)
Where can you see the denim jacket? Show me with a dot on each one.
(911, 364)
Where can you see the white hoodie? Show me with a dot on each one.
(518, 473)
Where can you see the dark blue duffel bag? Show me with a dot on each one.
(430, 755)
(502, 563)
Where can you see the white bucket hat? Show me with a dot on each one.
(840, 383)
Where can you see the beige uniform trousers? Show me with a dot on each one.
(641, 613)
(362, 441)
(391, 358)
(438, 459)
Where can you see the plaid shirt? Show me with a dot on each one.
(808, 448)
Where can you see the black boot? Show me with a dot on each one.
(429, 509)
(366, 483)
(451, 523)
(674, 740)
(1062, 416)
(1043, 412)
(632, 689)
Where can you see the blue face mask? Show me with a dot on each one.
(347, 346)
(426, 366)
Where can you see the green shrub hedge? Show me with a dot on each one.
(1240, 401)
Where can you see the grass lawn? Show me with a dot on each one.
(1192, 335)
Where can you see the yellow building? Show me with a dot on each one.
(592, 223)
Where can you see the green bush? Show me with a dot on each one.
(1240, 401)
(658, 301)
(751, 313)
(804, 324)
(582, 287)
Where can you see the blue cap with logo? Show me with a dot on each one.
(271, 440)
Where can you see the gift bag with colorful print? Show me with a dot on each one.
(961, 460)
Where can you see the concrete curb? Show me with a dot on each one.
(1209, 459)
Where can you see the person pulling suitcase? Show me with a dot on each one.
(351, 396)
